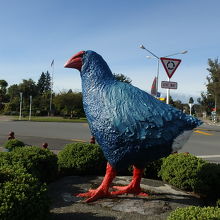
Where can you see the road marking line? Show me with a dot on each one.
(209, 156)
(202, 132)
(78, 140)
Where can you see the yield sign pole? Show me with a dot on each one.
(170, 65)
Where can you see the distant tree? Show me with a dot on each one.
(69, 104)
(3, 85)
(13, 91)
(28, 88)
(211, 97)
(178, 104)
(3, 90)
(122, 78)
(191, 100)
(48, 82)
(44, 83)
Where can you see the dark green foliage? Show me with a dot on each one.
(152, 169)
(81, 159)
(122, 78)
(44, 83)
(13, 143)
(195, 213)
(218, 203)
(181, 170)
(211, 97)
(41, 163)
(21, 195)
(5, 158)
(209, 181)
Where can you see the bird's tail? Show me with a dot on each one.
(180, 140)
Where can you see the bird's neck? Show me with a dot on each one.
(96, 78)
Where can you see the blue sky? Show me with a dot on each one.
(33, 33)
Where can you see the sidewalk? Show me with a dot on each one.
(209, 122)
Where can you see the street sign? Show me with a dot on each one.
(170, 65)
(168, 85)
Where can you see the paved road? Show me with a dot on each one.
(35, 133)
(205, 141)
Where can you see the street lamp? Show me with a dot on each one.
(158, 62)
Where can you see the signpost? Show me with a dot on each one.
(170, 65)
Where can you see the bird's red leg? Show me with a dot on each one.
(134, 186)
(103, 190)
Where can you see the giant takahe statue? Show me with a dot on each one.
(131, 126)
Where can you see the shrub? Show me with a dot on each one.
(152, 169)
(81, 159)
(218, 203)
(21, 195)
(208, 183)
(13, 143)
(5, 158)
(41, 163)
(194, 212)
(181, 170)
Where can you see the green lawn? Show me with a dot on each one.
(50, 119)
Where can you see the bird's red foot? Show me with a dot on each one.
(94, 194)
(128, 190)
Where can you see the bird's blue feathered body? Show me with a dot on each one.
(131, 126)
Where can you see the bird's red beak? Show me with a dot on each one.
(75, 61)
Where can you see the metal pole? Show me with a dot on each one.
(20, 105)
(51, 88)
(30, 108)
(158, 64)
(168, 94)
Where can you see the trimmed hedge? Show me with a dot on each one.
(190, 173)
(41, 163)
(181, 170)
(152, 169)
(21, 195)
(81, 159)
(13, 143)
(195, 213)
(208, 183)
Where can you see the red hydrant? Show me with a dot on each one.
(92, 140)
(45, 145)
(11, 135)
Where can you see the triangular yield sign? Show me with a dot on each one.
(170, 65)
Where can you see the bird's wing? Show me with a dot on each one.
(136, 114)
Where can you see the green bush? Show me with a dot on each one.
(218, 203)
(5, 158)
(181, 170)
(208, 183)
(152, 169)
(13, 143)
(21, 195)
(81, 159)
(41, 163)
(195, 213)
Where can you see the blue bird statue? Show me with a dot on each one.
(131, 126)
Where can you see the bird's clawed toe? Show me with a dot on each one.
(94, 194)
(128, 190)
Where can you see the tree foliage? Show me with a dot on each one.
(211, 98)
(44, 83)
(69, 104)
(122, 78)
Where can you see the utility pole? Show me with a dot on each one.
(30, 107)
(20, 105)
(51, 87)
